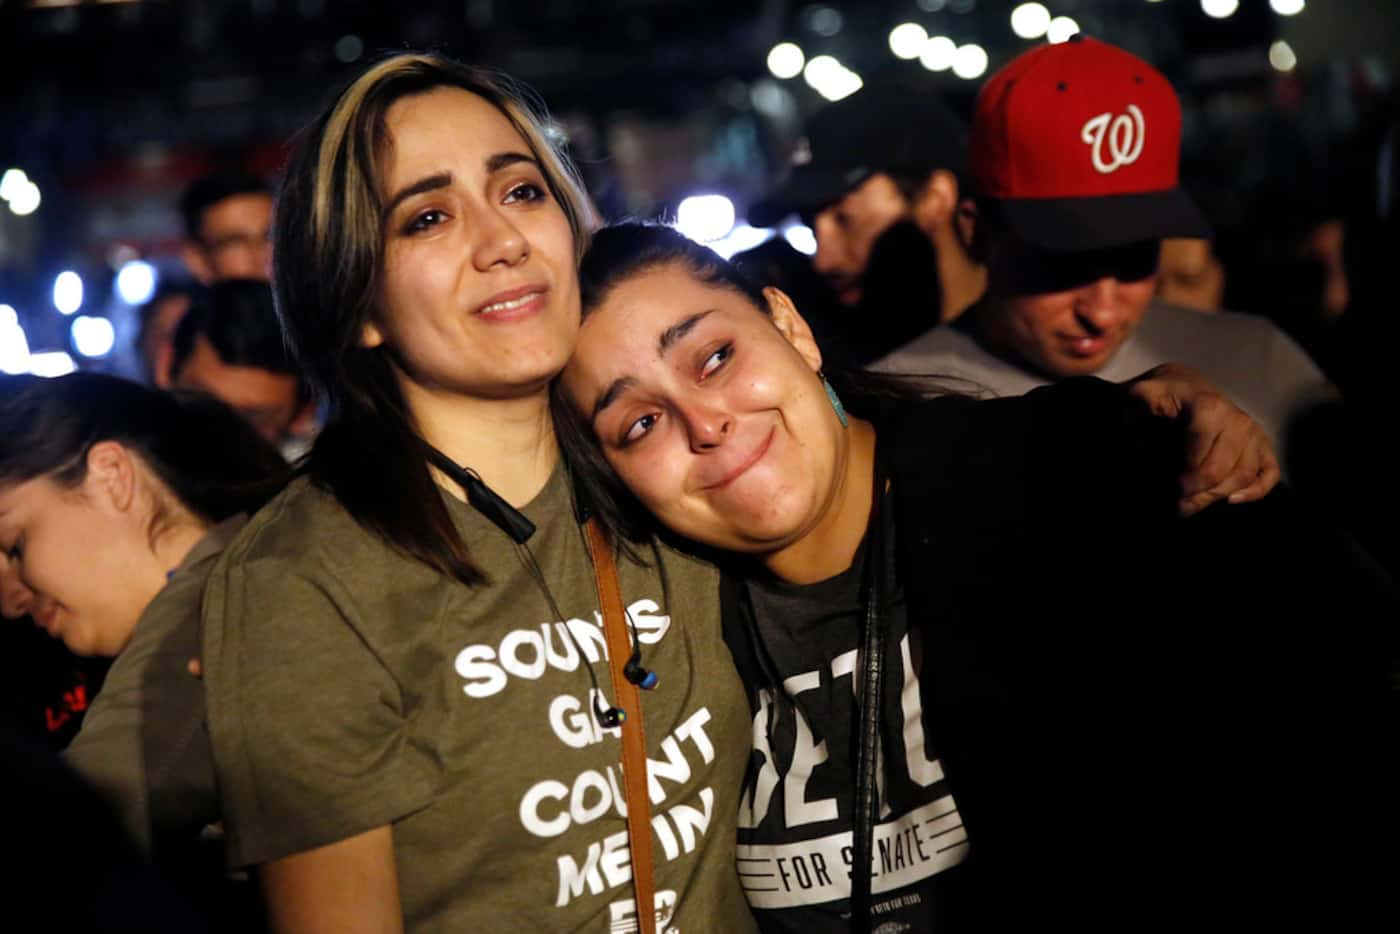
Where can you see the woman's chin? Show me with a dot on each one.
(757, 532)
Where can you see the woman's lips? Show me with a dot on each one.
(743, 467)
(513, 305)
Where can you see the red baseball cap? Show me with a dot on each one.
(1079, 144)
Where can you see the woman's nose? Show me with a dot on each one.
(707, 426)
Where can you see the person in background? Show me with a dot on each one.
(159, 318)
(1189, 275)
(115, 499)
(49, 689)
(878, 178)
(228, 227)
(228, 235)
(980, 633)
(230, 345)
(1074, 160)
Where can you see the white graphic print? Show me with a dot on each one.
(623, 915)
(528, 653)
(682, 802)
(908, 848)
(914, 846)
(549, 808)
(1123, 136)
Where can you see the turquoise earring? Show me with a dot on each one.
(835, 401)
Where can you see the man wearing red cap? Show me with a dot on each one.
(1073, 158)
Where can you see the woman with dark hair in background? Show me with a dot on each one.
(400, 650)
(115, 499)
(49, 688)
(987, 658)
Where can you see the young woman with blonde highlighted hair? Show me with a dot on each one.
(403, 706)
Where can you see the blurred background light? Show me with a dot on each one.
(1219, 9)
(51, 363)
(68, 292)
(970, 61)
(14, 346)
(25, 199)
(136, 282)
(349, 49)
(11, 182)
(821, 70)
(1287, 7)
(1281, 56)
(907, 40)
(742, 237)
(824, 20)
(1030, 20)
(801, 239)
(785, 60)
(831, 79)
(93, 337)
(938, 53)
(1061, 28)
(705, 218)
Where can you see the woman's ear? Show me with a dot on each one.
(111, 475)
(793, 326)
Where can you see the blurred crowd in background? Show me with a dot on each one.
(141, 144)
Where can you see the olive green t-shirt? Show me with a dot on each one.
(350, 687)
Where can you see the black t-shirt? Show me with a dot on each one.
(795, 819)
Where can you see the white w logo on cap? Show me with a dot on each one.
(1123, 134)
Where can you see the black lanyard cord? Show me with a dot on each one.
(874, 631)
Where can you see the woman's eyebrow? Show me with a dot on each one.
(427, 183)
(672, 335)
(502, 160)
(669, 338)
(610, 395)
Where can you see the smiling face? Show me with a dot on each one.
(82, 564)
(709, 410)
(478, 293)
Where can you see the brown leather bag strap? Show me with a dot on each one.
(634, 746)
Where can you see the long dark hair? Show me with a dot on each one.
(327, 262)
(208, 459)
(621, 252)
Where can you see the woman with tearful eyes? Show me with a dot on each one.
(115, 501)
(991, 667)
(403, 704)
